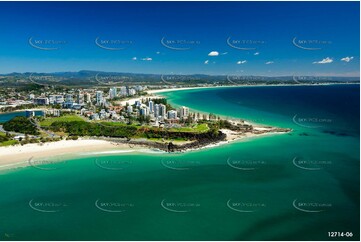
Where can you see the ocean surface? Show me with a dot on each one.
(296, 186)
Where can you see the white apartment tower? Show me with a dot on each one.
(99, 97)
(184, 112)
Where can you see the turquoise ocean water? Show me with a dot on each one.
(296, 186)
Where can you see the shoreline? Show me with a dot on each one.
(157, 93)
(23, 110)
(153, 91)
(18, 156)
(131, 101)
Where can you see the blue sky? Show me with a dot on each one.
(264, 38)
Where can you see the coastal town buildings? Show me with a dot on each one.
(103, 104)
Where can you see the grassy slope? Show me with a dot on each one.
(195, 128)
(66, 118)
(7, 143)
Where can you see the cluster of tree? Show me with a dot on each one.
(166, 134)
(20, 107)
(28, 87)
(72, 137)
(163, 101)
(4, 138)
(214, 116)
(160, 101)
(27, 140)
(83, 128)
(56, 106)
(225, 124)
(21, 125)
(48, 139)
(143, 119)
(189, 120)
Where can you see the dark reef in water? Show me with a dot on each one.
(340, 134)
(303, 134)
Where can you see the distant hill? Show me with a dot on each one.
(96, 78)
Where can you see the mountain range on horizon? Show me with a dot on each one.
(92, 74)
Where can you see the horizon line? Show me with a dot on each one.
(194, 74)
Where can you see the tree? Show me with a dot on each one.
(189, 120)
(21, 125)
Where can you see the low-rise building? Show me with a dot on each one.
(41, 101)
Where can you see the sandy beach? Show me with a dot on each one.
(19, 155)
(234, 136)
(131, 101)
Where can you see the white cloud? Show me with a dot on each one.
(147, 59)
(241, 62)
(269, 62)
(213, 53)
(257, 53)
(206, 62)
(347, 59)
(134, 58)
(224, 53)
(158, 52)
(324, 61)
